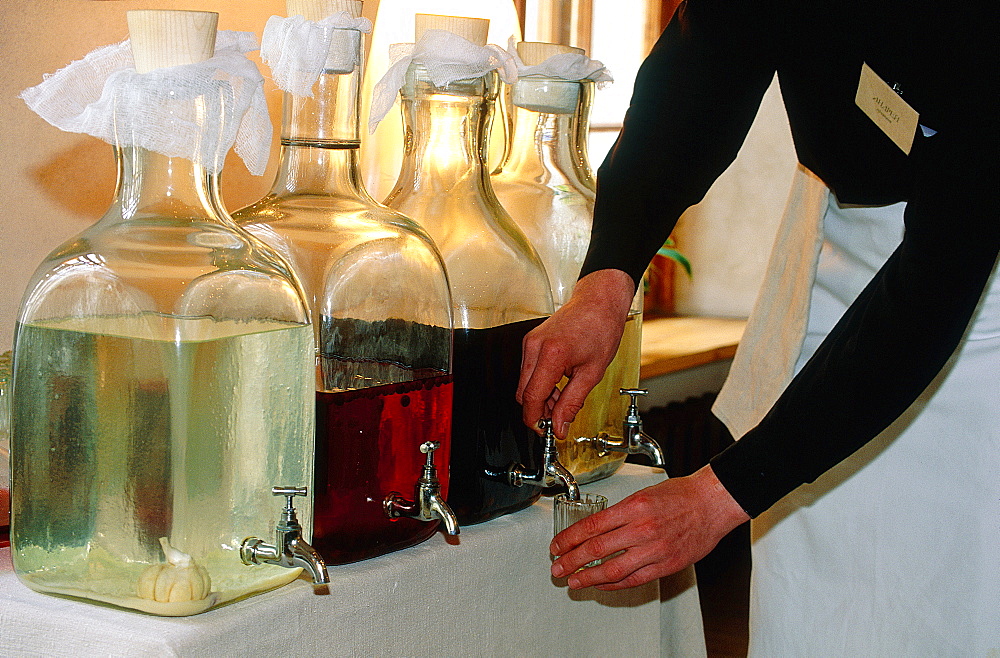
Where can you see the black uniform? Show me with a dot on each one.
(695, 97)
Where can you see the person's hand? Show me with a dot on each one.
(661, 530)
(578, 341)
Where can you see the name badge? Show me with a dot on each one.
(886, 109)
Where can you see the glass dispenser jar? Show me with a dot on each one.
(548, 188)
(162, 367)
(499, 288)
(379, 298)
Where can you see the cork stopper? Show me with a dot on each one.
(162, 38)
(472, 29)
(317, 10)
(534, 53)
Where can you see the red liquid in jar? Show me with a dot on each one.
(4, 517)
(368, 446)
(488, 435)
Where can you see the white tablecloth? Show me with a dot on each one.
(488, 593)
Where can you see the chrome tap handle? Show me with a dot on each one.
(633, 405)
(288, 514)
(428, 448)
(290, 550)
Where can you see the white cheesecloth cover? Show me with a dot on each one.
(565, 66)
(299, 50)
(534, 92)
(447, 57)
(158, 110)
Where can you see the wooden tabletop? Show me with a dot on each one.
(672, 344)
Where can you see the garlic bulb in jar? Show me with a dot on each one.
(180, 579)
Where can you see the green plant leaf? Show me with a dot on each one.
(675, 256)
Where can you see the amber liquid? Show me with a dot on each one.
(604, 411)
(367, 447)
(488, 435)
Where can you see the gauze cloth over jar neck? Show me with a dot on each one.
(563, 66)
(553, 86)
(446, 57)
(299, 50)
(193, 111)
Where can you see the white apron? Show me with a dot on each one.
(895, 551)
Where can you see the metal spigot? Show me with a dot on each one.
(290, 550)
(552, 471)
(633, 440)
(429, 505)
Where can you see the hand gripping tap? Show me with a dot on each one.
(633, 440)
(290, 550)
(429, 505)
(552, 471)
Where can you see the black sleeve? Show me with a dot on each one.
(695, 97)
(897, 335)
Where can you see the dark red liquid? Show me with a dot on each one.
(488, 435)
(368, 446)
(4, 517)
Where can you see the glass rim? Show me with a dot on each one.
(585, 499)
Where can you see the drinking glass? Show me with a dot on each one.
(567, 511)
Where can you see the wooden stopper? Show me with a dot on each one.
(473, 29)
(162, 38)
(534, 53)
(317, 10)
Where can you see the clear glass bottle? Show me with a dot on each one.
(548, 188)
(498, 285)
(162, 387)
(381, 305)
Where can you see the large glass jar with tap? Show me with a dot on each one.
(380, 303)
(498, 285)
(548, 187)
(162, 373)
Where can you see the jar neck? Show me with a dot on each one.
(151, 184)
(445, 132)
(320, 138)
(551, 125)
(542, 142)
(582, 129)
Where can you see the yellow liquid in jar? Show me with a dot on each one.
(131, 428)
(604, 410)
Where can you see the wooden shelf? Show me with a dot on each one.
(672, 344)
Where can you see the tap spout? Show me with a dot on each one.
(428, 505)
(290, 550)
(633, 440)
(443, 511)
(647, 445)
(551, 473)
(560, 472)
(302, 554)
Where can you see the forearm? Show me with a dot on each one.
(891, 342)
(695, 97)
